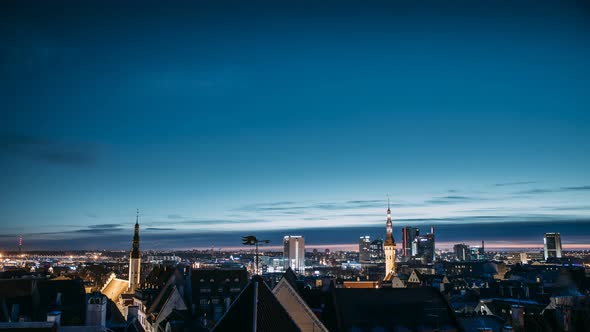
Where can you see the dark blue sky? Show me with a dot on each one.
(216, 117)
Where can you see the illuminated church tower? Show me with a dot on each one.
(135, 259)
(389, 247)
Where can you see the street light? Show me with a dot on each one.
(251, 240)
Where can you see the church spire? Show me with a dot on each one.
(389, 226)
(135, 245)
(135, 259)
(389, 247)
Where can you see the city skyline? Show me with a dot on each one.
(218, 121)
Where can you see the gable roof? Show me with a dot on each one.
(296, 307)
(291, 278)
(256, 300)
(415, 275)
(115, 288)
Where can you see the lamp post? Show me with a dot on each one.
(252, 240)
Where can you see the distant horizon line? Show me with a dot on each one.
(446, 246)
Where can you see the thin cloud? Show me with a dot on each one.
(105, 226)
(555, 190)
(370, 201)
(518, 183)
(453, 199)
(159, 229)
(221, 221)
(48, 151)
(302, 207)
(568, 208)
(521, 229)
(577, 188)
(537, 191)
(91, 229)
(8, 236)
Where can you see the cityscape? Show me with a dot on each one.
(308, 166)
(150, 290)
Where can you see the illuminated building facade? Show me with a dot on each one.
(365, 248)
(294, 253)
(408, 236)
(552, 245)
(389, 247)
(376, 251)
(461, 251)
(424, 248)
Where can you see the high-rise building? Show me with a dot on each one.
(389, 247)
(135, 259)
(294, 253)
(552, 245)
(376, 251)
(408, 236)
(477, 253)
(482, 253)
(364, 248)
(423, 247)
(462, 252)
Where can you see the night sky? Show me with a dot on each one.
(218, 119)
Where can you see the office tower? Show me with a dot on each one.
(481, 251)
(389, 246)
(552, 245)
(294, 253)
(376, 251)
(462, 252)
(423, 247)
(135, 259)
(408, 236)
(364, 248)
(477, 253)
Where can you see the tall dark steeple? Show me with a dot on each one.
(135, 259)
(135, 247)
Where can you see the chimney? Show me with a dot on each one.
(96, 310)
